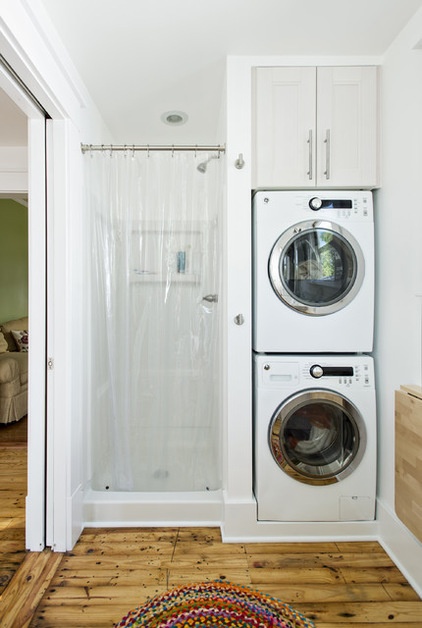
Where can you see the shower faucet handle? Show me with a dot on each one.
(211, 298)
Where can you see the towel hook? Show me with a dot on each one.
(240, 162)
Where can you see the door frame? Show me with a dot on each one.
(41, 64)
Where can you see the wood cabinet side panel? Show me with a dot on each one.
(408, 461)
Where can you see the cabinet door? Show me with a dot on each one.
(284, 127)
(347, 126)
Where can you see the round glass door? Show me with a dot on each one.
(316, 267)
(317, 437)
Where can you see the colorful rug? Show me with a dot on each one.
(213, 604)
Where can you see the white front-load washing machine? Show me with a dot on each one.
(313, 271)
(315, 451)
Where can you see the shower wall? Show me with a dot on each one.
(155, 345)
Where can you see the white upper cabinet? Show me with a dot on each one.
(315, 127)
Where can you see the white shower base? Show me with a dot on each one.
(126, 509)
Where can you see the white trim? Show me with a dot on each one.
(16, 177)
(9, 85)
(403, 548)
(33, 50)
(249, 62)
(35, 501)
(59, 338)
(237, 290)
(27, 49)
(152, 509)
(241, 526)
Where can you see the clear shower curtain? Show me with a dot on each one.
(154, 243)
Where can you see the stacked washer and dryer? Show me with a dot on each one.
(314, 390)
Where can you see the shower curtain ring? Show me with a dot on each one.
(133, 151)
(172, 150)
(147, 150)
(111, 150)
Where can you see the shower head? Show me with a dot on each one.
(202, 167)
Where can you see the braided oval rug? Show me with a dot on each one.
(212, 604)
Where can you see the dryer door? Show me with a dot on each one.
(317, 437)
(316, 267)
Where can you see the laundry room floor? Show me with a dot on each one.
(111, 571)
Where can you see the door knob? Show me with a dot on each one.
(211, 298)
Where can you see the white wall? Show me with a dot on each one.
(399, 237)
(399, 264)
(13, 170)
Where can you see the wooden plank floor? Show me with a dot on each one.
(13, 470)
(337, 584)
(111, 571)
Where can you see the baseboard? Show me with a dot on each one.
(401, 545)
(240, 525)
(124, 509)
(75, 517)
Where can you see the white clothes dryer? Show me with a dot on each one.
(315, 451)
(313, 271)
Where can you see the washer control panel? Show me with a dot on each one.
(358, 374)
(310, 371)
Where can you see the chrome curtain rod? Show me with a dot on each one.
(87, 148)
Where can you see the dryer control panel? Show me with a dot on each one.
(341, 375)
(336, 206)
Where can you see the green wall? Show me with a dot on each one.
(13, 260)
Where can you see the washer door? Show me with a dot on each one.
(317, 437)
(316, 267)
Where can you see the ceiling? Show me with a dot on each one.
(140, 58)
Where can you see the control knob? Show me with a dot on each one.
(315, 203)
(316, 371)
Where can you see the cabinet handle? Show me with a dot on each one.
(309, 142)
(327, 143)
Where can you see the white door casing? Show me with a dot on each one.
(32, 49)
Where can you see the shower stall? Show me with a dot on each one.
(154, 251)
